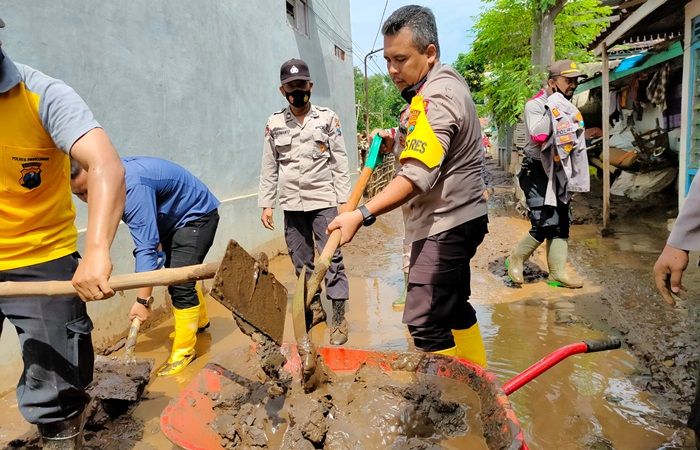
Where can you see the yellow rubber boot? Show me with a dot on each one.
(452, 351)
(470, 346)
(183, 345)
(203, 322)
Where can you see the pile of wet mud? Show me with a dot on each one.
(364, 409)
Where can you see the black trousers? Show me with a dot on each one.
(548, 222)
(301, 230)
(439, 285)
(54, 335)
(187, 246)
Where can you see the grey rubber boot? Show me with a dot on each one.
(401, 301)
(339, 325)
(63, 435)
(522, 251)
(557, 253)
(315, 314)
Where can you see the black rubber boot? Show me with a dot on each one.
(315, 313)
(63, 435)
(339, 326)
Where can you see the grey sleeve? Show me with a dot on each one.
(63, 113)
(686, 231)
(339, 161)
(267, 188)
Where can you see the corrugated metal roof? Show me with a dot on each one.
(666, 22)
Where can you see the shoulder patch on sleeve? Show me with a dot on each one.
(421, 142)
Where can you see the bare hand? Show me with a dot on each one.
(348, 223)
(668, 272)
(140, 311)
(267, 219)
(91, 279)
(387, 141)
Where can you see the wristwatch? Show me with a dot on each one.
(367, 217)
(147, 302)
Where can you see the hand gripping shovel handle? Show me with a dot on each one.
(374, 158)
(163, 277)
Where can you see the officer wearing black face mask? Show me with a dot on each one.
(304, 159)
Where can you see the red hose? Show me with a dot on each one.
(543, 365)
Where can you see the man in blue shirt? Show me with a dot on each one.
(166, 208)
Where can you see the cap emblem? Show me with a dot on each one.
(294, 70)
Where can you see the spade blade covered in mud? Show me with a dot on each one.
(243, 285)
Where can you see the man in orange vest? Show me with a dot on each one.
(42, 122)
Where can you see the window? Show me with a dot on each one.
(340, 53)
(297, 15)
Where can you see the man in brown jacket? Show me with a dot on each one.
(440, 179)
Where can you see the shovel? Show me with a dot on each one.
(305, 290)
(241, 284)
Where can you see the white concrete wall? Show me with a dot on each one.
(692, 9)
(193, 82)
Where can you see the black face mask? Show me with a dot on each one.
(568, 97)
(411, 91)
(298, 97)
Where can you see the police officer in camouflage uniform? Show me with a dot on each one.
(304, 158)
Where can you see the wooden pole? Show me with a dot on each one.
(606, 138)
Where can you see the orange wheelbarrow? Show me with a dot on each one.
(185, 421)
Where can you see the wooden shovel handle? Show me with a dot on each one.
(355, 196)
(163, 277)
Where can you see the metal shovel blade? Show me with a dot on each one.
(243, 285)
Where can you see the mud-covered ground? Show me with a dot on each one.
(626, 303)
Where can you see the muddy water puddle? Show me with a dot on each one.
(586, 401)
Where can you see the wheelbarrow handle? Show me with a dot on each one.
(600, 345)
(554, 358)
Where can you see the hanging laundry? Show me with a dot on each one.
(656, 90)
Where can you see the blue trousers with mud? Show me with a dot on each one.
(303, 229)
(548, 222)
(55, 339)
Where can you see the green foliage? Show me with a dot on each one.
(385, 101)
(472, 70)
(502, 47)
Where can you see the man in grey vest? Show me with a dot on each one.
(548, 192)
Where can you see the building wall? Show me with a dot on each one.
(692, 9)
(193, 82)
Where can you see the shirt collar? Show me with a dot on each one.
(9, 74)
(288, 116)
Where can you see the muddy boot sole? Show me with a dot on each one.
(339, 333)
(168, 369)
(557, 283)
